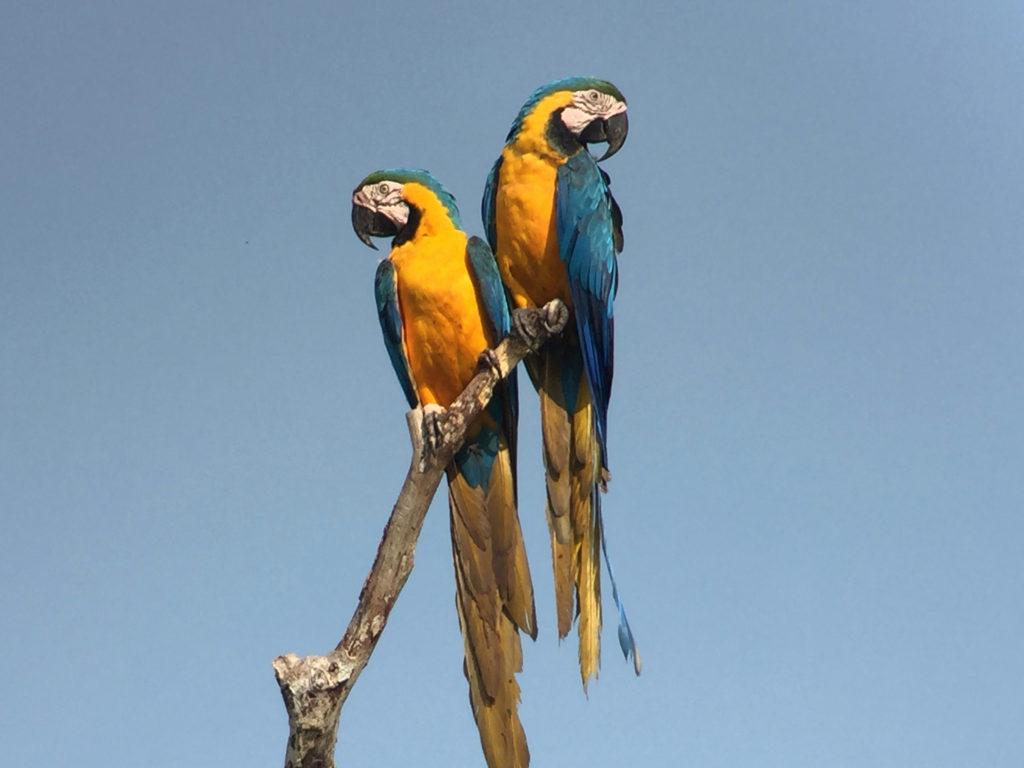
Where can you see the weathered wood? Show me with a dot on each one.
(315, 688)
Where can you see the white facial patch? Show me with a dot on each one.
(588, 106)
(384, 197)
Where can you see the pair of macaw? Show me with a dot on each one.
(554, 230)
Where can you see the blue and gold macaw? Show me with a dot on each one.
(441, 303)
(556, 229)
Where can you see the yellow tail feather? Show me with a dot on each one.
(494, 598)
(585, 472)
(557, 434)
(572, 463)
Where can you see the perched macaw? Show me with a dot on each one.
(441, 303)
(555, 230)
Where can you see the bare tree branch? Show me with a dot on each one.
(315, 688)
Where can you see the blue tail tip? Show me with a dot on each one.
(628, 645)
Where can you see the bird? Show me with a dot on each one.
(556, 230)
(441, 304)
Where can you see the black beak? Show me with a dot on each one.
(616, 128)
(613, 130)
(369, 224)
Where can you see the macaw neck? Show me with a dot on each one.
(435, 238)
(433, 218)
(543, 133)
(428, 226)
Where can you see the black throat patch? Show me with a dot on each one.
(560, 137)
(408, 232)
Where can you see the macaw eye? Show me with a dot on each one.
(383, 188)
(593, 96)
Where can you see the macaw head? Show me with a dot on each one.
(580, 111)
(391, 203)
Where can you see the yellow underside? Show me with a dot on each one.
(444, 328)
(527, 251)
(527, 238)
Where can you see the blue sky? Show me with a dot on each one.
(816, 430)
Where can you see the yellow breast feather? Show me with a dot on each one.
(527, 238)
(444, 328)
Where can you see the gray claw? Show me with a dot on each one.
(524, 322)
(531, 324)
(488, 361)
(556, 315)
(433, 432)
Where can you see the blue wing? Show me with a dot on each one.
(487, 204)
(391, 325)
(488, 282)
(504, 406)
(589, 236)
(486, 268)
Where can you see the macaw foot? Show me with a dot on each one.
(556, 315)
(524, 324)
(533, 324)
(432, 432)
(489, 362)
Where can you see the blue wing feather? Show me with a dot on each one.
(488, 203)
(488, 281)
(589, 234)
(504, 406)
(390, 316)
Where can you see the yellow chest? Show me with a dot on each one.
(444, 328)
(527, 236)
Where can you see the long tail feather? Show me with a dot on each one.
(557, 432)
(572, 463)
(494, 598)
(626, 640)
(586, 518)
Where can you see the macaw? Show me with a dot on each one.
(441, 304)
(555, 230)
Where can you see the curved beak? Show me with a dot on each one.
(369, 224)
(613, 130)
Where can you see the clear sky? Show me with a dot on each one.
(816, 432)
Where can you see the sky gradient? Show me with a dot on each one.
(816, 429)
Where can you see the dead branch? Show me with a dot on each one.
(315, 688)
